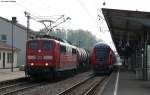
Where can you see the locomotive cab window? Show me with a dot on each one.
(62, 48)
(73, 51)
(47, 45)
(33, 45)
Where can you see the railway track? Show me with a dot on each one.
(91, 86)
(18, 87)
(14, 81)
(98, 88)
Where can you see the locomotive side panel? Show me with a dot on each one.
(68, 58)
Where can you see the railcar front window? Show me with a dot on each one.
(73, 51)
(63, 48)
(100, 54)
(33, 45)
(47, 45)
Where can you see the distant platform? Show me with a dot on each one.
(6, 74)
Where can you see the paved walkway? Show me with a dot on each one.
(6, 74)
(127, 85)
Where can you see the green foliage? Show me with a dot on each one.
(80, 38)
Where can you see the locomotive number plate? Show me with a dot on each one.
(39, 57)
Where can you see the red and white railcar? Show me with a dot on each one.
(101, 58)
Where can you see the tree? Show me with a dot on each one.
(80, 38)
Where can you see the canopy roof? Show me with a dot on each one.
(126, 28)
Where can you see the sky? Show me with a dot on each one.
(83, 13)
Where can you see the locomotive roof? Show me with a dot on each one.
(46, 37)
(101, 44)
(61, 41)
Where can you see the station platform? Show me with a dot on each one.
(126, 84)
(6, 74)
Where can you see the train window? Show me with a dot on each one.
(62, 48)
(33, 45)
(73, 51)
(100, 53)
(47, 45)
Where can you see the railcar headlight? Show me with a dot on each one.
(32, 64)
(39, 51)
(46, 64)
(48, 57)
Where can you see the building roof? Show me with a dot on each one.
(126, 28)
(4, 46)
(17, 24)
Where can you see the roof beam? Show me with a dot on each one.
(108, 21)
(132, 38)
(129, 30)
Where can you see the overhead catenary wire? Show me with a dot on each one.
(33, 17)
(36, 15)
(88, 13)
(19, 5)
(38, 18)
(46, 6)
(40, 5)
(26, 9)
(101, 21)
(99, 14)
(16, 9)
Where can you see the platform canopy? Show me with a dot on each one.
(127, 28)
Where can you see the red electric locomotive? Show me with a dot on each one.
(46, 57)
(101, 58)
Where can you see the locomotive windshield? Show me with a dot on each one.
(44, 44)
(100, 53)
(33, 45)
(47, 45)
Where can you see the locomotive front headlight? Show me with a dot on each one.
(32, 64)
(48, 57)
(46, 64)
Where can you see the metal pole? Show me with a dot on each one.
(12, 57)
(27, 14)
(145, 72)
(28, 25)
(145, 63)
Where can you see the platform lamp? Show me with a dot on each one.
(14, 20)
(104, 3)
